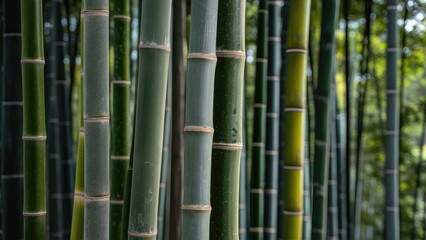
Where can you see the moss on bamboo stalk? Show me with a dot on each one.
(227, 119)
(120, 145)
(295, 105)
(34, 126)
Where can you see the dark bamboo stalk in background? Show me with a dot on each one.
(272, 120)
(120, 122)
(228, 119)
(178, 116)
(391, 131)
(243, 201)
(198, 128)
(34, 125)
(11, 124)
(257, 178)
(307, 200)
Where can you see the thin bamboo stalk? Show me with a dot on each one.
(55, 174)
(391, 131)
(11, 124)
(295, 105)
(272, 120)
(257, 177)
(64, 124)
(199, 120)
(178, 116)
(285, 13)
(34, 130)
(77, 224)
(227, 119)
(322, 118)
(165, 159)
(243, 206)
(96, 120)
(307, 203)
(120, 125)
(154, 52)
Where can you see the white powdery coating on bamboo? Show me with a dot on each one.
(154, 46)
(198, 129)
(121, 158)
(121, 82)
(196, 207)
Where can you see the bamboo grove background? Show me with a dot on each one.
(213, 119)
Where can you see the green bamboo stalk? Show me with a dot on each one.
(96, 120)
(322, 118)
(64, 125)
(34, 130)
(341, 174)
(332, 218)
(257, 183)
(272, 120)
(227, 119)
(165, 162)
(120, 125)
(242, 213)
(295, 92)
(179, 50)
(77, 224)
(307, 203)
(11, 124)
(391, 131)
(148, 139)
(285, 13)
(199, 120)
(55, 174)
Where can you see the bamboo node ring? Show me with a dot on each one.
(121, 82)
(34, 138)
(271, 191)
(257, 190)
(32, 61)
(317, 230)
(293, 213)
(12, 103)
(256, 229)
(96, 119)
(274, 39)
(259, 105)
(116, 202)
(12, 176)
(271, 153)
(154, 46)
(196, 207)
(95, 12)
(122, 17)
(96, 198)
(122, 158)
(296, 50)
(227, 146)
(142, 234)
(272, 114)
(258, 144)
(262, 60)
(296, 168)
(34, 214)
(272, 78)
(270, 230)
(205, 129)
(294, 110)
(231, 54)
(206, 56)
(12, 34)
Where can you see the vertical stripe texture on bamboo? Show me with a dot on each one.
(257, 179)
(11, 127)
(391, 130)
(154, 50)
(198, 128)
(227, 119)
(96, 119)
(34, 124)
(295, 105)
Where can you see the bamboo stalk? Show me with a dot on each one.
(257, 178)
(77, 224)
(227, 119)
(55, 174)
(120, 125)
(322, 118)
(295, 92)
(307, 203)
(272, 120)
(148, 139)
(391, 131)
(199, 120)
(243, 201)
(96, 120)
(34, 130)
(11, 124)
(178, 116)
(165, 159)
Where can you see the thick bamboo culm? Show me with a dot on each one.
(391, 130)
(295, 105)
(322, 119)
(227, 119)
(272, 120)
(11, 127)
(34, 125)
(154, 50)
(77, 223)
(96, 120)
(56, 208)
(198, 128)
(257, 178)
(120, 119)
(64, 124)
